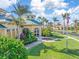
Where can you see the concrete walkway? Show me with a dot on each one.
(33, 44)
(29, 46)
(73, 34)
(48, 41)
(73, 38)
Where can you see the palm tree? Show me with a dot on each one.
(64, 17)
(46, 21)
(43, 21)
(19, 10)
(75, 26)
(59, 26)
(54, 20)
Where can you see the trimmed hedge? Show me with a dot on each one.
(46, 32)
(12, 49)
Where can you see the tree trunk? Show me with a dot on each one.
(64, 26)
(18, 34)
(75, 28)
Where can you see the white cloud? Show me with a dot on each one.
(6, 3)
(76, 9)
(70, 10)
(59, 12)
(55, 4)
(39, 7)
(74, 13)
(73, 10)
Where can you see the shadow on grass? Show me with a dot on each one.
(40, 48)
(72, 52)
(44, 49)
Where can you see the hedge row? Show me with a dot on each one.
(12, 49)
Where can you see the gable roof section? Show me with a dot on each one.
(33, 22)
(2, 16)
(5, 19)
(2, 26)
(2, 11)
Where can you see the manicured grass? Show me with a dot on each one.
(57, 35)
(55, 50)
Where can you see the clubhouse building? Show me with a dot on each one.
(8, 26)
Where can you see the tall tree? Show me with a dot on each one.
(43, 21)
(19, 9)
(75, 26)
(54, 20)
(64, 19)
(65, 16)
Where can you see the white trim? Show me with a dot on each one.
(11, 32)
(40, 31)
(5, 31)
(15, 32)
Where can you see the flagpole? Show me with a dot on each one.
(66, 38)
(67, 18)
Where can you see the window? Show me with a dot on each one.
(8, 30)
(13, 29)
(27, 16)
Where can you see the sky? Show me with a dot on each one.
(48, 8)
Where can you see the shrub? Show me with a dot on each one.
(12, 49)
(27, 36)
(46, 32)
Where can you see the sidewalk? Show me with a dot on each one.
(33, 44)
(29, 46)
(73, 38)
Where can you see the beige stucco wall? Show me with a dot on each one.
(32, 27)
(14, 33)
(12, 24)
(2, 31)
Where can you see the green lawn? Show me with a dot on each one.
(55, 50)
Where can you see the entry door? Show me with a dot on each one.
(36, 31)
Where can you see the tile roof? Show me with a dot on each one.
(32, 22)
(35, 21)
(2, 26)
(6, 19)
(2, 16)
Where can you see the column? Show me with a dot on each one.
(40, 32)
(5, 32)
(15, 32)
(11, 32)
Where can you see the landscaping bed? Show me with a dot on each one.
(27, 36)
(47, 32)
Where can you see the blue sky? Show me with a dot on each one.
(48, 8)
